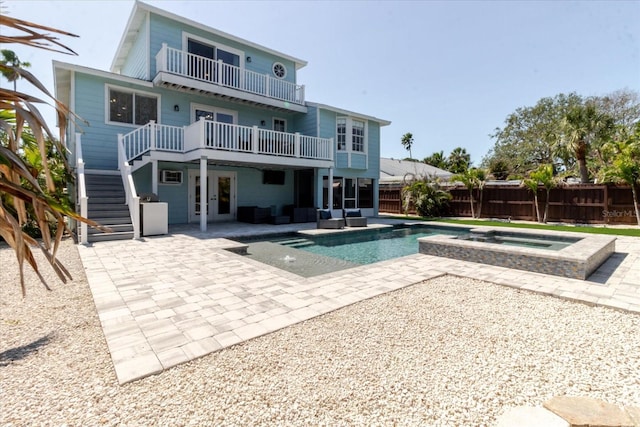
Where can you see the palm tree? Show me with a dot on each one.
(459, 160)
(481, 176)
(28, 189)
(544, 175)
(625, 166)
(437, 160)
(469, 178)
(11, 61)
(582, 127)
(407, 142)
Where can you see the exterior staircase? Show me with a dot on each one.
(106, 206)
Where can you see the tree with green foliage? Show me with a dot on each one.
(540, 134)
(459, 160)
(437, 160)
(11, 63)
(407, 142)
(27, 188)
(499, 169)
(528, 137)
(544, 176)
(470, 178)
(582, 128)
(429, 199)
(625, 162)
(481, 175)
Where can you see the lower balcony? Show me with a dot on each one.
(229, 143)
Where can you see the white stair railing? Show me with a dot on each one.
(133, 201)
(82, 190)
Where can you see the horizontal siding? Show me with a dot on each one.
(358, 161)
(251, 190)
(164, 30)
(306, 124)
(137, 62)
(99, 140)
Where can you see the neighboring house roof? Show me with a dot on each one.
(348, 113)
(396, 171)
(136, 20)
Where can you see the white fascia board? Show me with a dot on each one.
(140, 8)
(350, 113)
(99, 73)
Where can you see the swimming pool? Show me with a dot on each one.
(311, 255)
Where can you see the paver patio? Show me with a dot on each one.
(166, 300)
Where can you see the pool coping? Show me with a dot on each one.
(578, 260)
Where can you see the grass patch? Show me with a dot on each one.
(633, 232)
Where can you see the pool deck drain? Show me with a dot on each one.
(169, 299)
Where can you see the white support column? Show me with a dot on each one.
(255, 139)
(154, 176)
(204, 202)
(296, 146)
(330, 190)
(152, 135)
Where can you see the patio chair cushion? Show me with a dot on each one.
(324, 214)
(352, 213)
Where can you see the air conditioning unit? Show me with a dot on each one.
(171, 177)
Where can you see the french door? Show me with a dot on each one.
(220, 201)
(203, 63)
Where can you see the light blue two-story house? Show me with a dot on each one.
(183, 101)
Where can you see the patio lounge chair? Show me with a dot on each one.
(326, 221)
(354, 218)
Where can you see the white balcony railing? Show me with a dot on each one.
(207, 70)
(207, 134)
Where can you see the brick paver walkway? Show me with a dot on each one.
(166, 300)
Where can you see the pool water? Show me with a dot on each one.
(309, 256)
(367, 247)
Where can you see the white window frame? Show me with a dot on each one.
(363, 136)
(194, 106)
(346, 132)
(273, 123)
(349, 135)
(107, 107)
(185, 46)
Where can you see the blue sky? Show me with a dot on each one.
(449, 72)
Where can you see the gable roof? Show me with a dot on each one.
(137, 19)
(395, 170)
(349, 113)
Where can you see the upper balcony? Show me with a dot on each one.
(178, 68)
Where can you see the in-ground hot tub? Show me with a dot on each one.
(562, 254)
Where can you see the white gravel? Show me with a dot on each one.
(448, 351)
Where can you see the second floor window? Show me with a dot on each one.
(132, 108)
(357, 136)
(341, 133)
(351, 134)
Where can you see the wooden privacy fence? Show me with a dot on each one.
(576, 203)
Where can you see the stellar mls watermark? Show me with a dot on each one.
(617, 214)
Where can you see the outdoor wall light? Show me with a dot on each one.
(262, 123)
(176, 107)
(248, 59)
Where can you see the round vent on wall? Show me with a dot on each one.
(279, 70)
